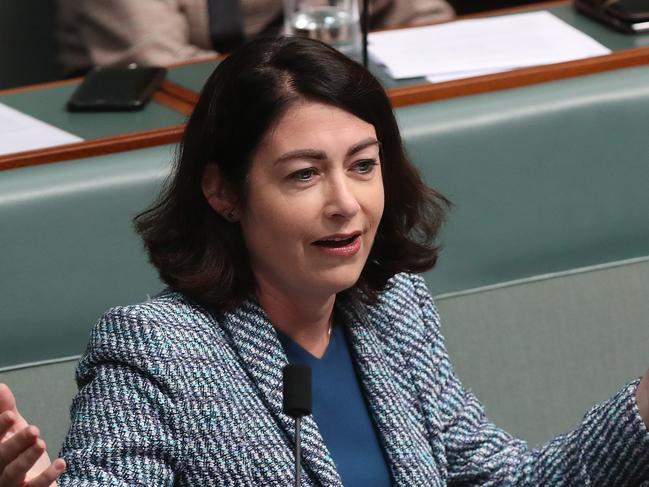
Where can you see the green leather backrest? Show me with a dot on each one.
(44, 394)
(68, 249)
(540, 352)
(544, 178)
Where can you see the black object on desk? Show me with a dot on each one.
(116, 88)
(629, 16)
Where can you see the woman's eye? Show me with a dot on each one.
(365, 166)
(303, 175)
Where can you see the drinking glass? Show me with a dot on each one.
(335, 22)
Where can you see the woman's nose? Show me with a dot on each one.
(341, 199)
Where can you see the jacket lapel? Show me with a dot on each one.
(255, 341)
(404, 439)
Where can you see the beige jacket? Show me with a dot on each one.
(161, 32)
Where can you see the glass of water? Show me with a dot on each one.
(335, 22)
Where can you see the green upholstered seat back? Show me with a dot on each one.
(44, 394)
(544, 178)
(69, 251)
(540, 352)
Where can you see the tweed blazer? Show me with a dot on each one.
(173, 394)
(161, 32)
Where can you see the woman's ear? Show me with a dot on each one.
(219, 193)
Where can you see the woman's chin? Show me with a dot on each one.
(335, 284)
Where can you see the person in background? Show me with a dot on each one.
(162, 32)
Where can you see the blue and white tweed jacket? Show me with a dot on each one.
(171, 394)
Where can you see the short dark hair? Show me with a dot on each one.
(200, 253)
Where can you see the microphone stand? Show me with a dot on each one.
(298, 452)
(365, 27)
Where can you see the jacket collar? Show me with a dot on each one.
(404, 436)
(261, 353)
(255, 341)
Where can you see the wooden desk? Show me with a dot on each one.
(160, 122)
(185, 82)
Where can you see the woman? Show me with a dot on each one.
(290, 231)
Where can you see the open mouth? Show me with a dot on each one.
(336, 242)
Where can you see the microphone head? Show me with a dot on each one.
(297, 390)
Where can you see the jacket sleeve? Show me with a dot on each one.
(150, 32)
(123, 428)
(609, 448)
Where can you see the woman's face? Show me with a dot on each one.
(314, 202)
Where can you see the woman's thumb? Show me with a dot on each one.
(7, 400)
(8, 403)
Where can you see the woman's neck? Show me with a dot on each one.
(306, 321)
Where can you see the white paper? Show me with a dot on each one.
(438, 78)
(20, 132)
(481, 46)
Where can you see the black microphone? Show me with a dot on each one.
(297, 403)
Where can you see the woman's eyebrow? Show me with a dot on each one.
(363, 144)
(319, 155)
(301, 154)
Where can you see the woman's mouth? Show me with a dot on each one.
(340, 245)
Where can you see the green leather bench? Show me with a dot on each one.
(545, 178)
(540, 352)
(69, 251)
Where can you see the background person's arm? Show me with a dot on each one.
(393, 13)
(150, 32)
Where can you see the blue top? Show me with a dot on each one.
(341, 412)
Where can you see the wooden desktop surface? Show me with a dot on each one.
(186, 81)
(162, 121)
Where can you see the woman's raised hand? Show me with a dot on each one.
(23, 459)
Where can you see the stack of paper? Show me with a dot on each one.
(480, 46)
(20, 132)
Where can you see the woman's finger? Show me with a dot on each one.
(7, 421)
(49, 476)
(14, 472)
(8, 405)
(14, 446)
(7, 399)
